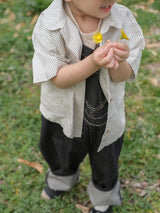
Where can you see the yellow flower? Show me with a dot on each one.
(123, 35)
(97, 37)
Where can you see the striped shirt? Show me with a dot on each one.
(57, 42)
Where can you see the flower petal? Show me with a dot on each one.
(97, 37)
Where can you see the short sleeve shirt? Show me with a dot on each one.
(57, 42)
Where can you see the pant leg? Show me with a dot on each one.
(62, 154)
(104, 187)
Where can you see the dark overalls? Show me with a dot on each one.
(64, 155)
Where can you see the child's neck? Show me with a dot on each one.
(87, 24)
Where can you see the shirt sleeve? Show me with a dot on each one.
(136, 42)
(49, 54)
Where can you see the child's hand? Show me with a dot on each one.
(104, 57)
(121, 51)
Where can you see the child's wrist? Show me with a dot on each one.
(95, 63)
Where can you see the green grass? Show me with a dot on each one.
(20, 185)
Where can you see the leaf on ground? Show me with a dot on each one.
(154, 53)
(152, 45)
(141, 188)
(154, 81)
(1, 182)
(12, 16)
(1, 1)
(141, 192)
(34, 165)
(34, 19)
(146, 6)
(19, 25)
(155, 185)
(84, 209)
(150, 2)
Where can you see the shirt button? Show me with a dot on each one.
(111, 99)
(108, 130)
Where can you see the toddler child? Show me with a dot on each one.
(82, 93)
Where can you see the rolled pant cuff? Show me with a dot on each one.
(102, 198)
(61, 183)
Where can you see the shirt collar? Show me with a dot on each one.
(56, 18)
(112, 20)
(54, 15)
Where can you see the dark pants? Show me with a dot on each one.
(64, 155)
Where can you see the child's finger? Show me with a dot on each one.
(102, 51)
(121, 53)
(116, 65)
(117, 58)
(109, 59)
(109, 55)
(120, 46)
(106, 48)
(111, 65)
